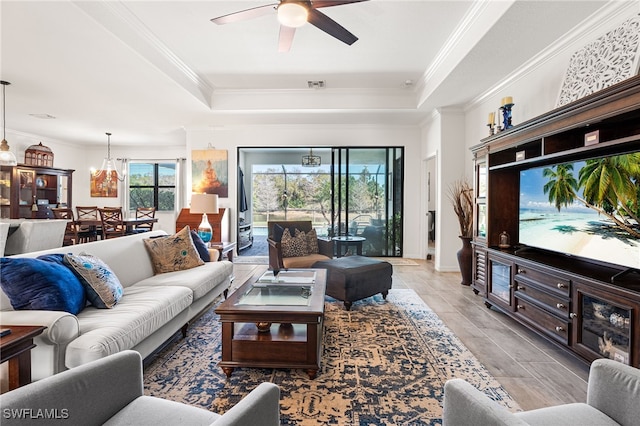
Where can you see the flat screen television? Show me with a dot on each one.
(584, 208)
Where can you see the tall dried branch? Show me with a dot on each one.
(461, 196)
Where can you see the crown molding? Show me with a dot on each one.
(117, 18)
(594, 26)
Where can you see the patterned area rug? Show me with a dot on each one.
(384, 363)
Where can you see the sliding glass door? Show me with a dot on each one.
(367, 197)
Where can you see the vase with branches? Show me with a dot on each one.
(461, 196)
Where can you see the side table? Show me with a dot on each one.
(16, 347)
(225, 249)
(346, 241)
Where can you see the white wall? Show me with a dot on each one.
(232, 137)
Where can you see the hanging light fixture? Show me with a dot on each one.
(109, 164)
(7, 158)
(292, 14)
(311, 160)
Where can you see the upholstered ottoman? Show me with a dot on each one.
(353, 278)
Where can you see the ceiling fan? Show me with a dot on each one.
(293, 14)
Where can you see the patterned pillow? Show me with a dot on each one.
(41, 284)
(312, 242)
(173, 253)
(293, 246)
(103, 288)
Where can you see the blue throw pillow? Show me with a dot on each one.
(41, 284)
(103, 288)
(201, 246)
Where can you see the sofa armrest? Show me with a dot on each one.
(466, 405)
(325, 246)
(89, 394)
(260, 407)
(62, 327)
(614, 389)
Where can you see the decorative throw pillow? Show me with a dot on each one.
(41, 284)
(103, 287)
(201, 247)
(173, 253)
(293, 246)
(312, 242)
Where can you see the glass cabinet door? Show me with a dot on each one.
(500, 288)
(27, 196)
(5, 193)
(603, 326)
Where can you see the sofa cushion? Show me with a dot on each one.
(303, 261)
(566, 414)
(199, 280)
(201, 247)
(41, 284)
(141, 312)
(294, 246)
(101, 284)
(173, 253)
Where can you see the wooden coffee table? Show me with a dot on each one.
(290, 313)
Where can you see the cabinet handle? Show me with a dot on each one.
(520, 306)
(573, 315)
(560, 305)
(521, 271)
(561, 285)
(559, 329)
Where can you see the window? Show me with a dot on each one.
(152, 185)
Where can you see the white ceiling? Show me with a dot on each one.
(145, 70)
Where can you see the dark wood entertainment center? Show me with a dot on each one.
(588, 307)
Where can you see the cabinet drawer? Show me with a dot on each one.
(557, 284)
(544, 321)
(550, 301)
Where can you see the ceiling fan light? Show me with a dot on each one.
(292, 15)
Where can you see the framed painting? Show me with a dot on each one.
(103, 184)
(210, 172)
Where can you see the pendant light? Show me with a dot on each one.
(7, 158)
(109, 164)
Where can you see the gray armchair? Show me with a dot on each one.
(110, 391)
(613, 396)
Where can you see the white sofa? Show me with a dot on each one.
(36, 235)
(152, 309)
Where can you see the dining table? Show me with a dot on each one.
(130, 223)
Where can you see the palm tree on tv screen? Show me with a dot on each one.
(611, 186)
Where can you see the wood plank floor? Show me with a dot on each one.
(534, 372)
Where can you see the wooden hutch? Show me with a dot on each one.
(31, 191)
(588, 307)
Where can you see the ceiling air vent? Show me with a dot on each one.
(317, 84)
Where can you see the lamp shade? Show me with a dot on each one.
(292, 14)
(204, 203)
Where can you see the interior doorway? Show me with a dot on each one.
(430, 207)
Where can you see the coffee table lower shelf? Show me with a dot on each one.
(285, 345)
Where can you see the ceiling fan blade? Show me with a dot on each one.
(328, 3)
(244, 15)
(286, 38)
(331, 27)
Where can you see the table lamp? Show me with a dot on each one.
(204, 203)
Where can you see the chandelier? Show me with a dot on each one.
(109, 164)
(311, 160)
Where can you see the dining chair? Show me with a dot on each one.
(89, 213)
(145, 213)
(71, 231)
(112, 222)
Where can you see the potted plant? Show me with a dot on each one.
(461, 196)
